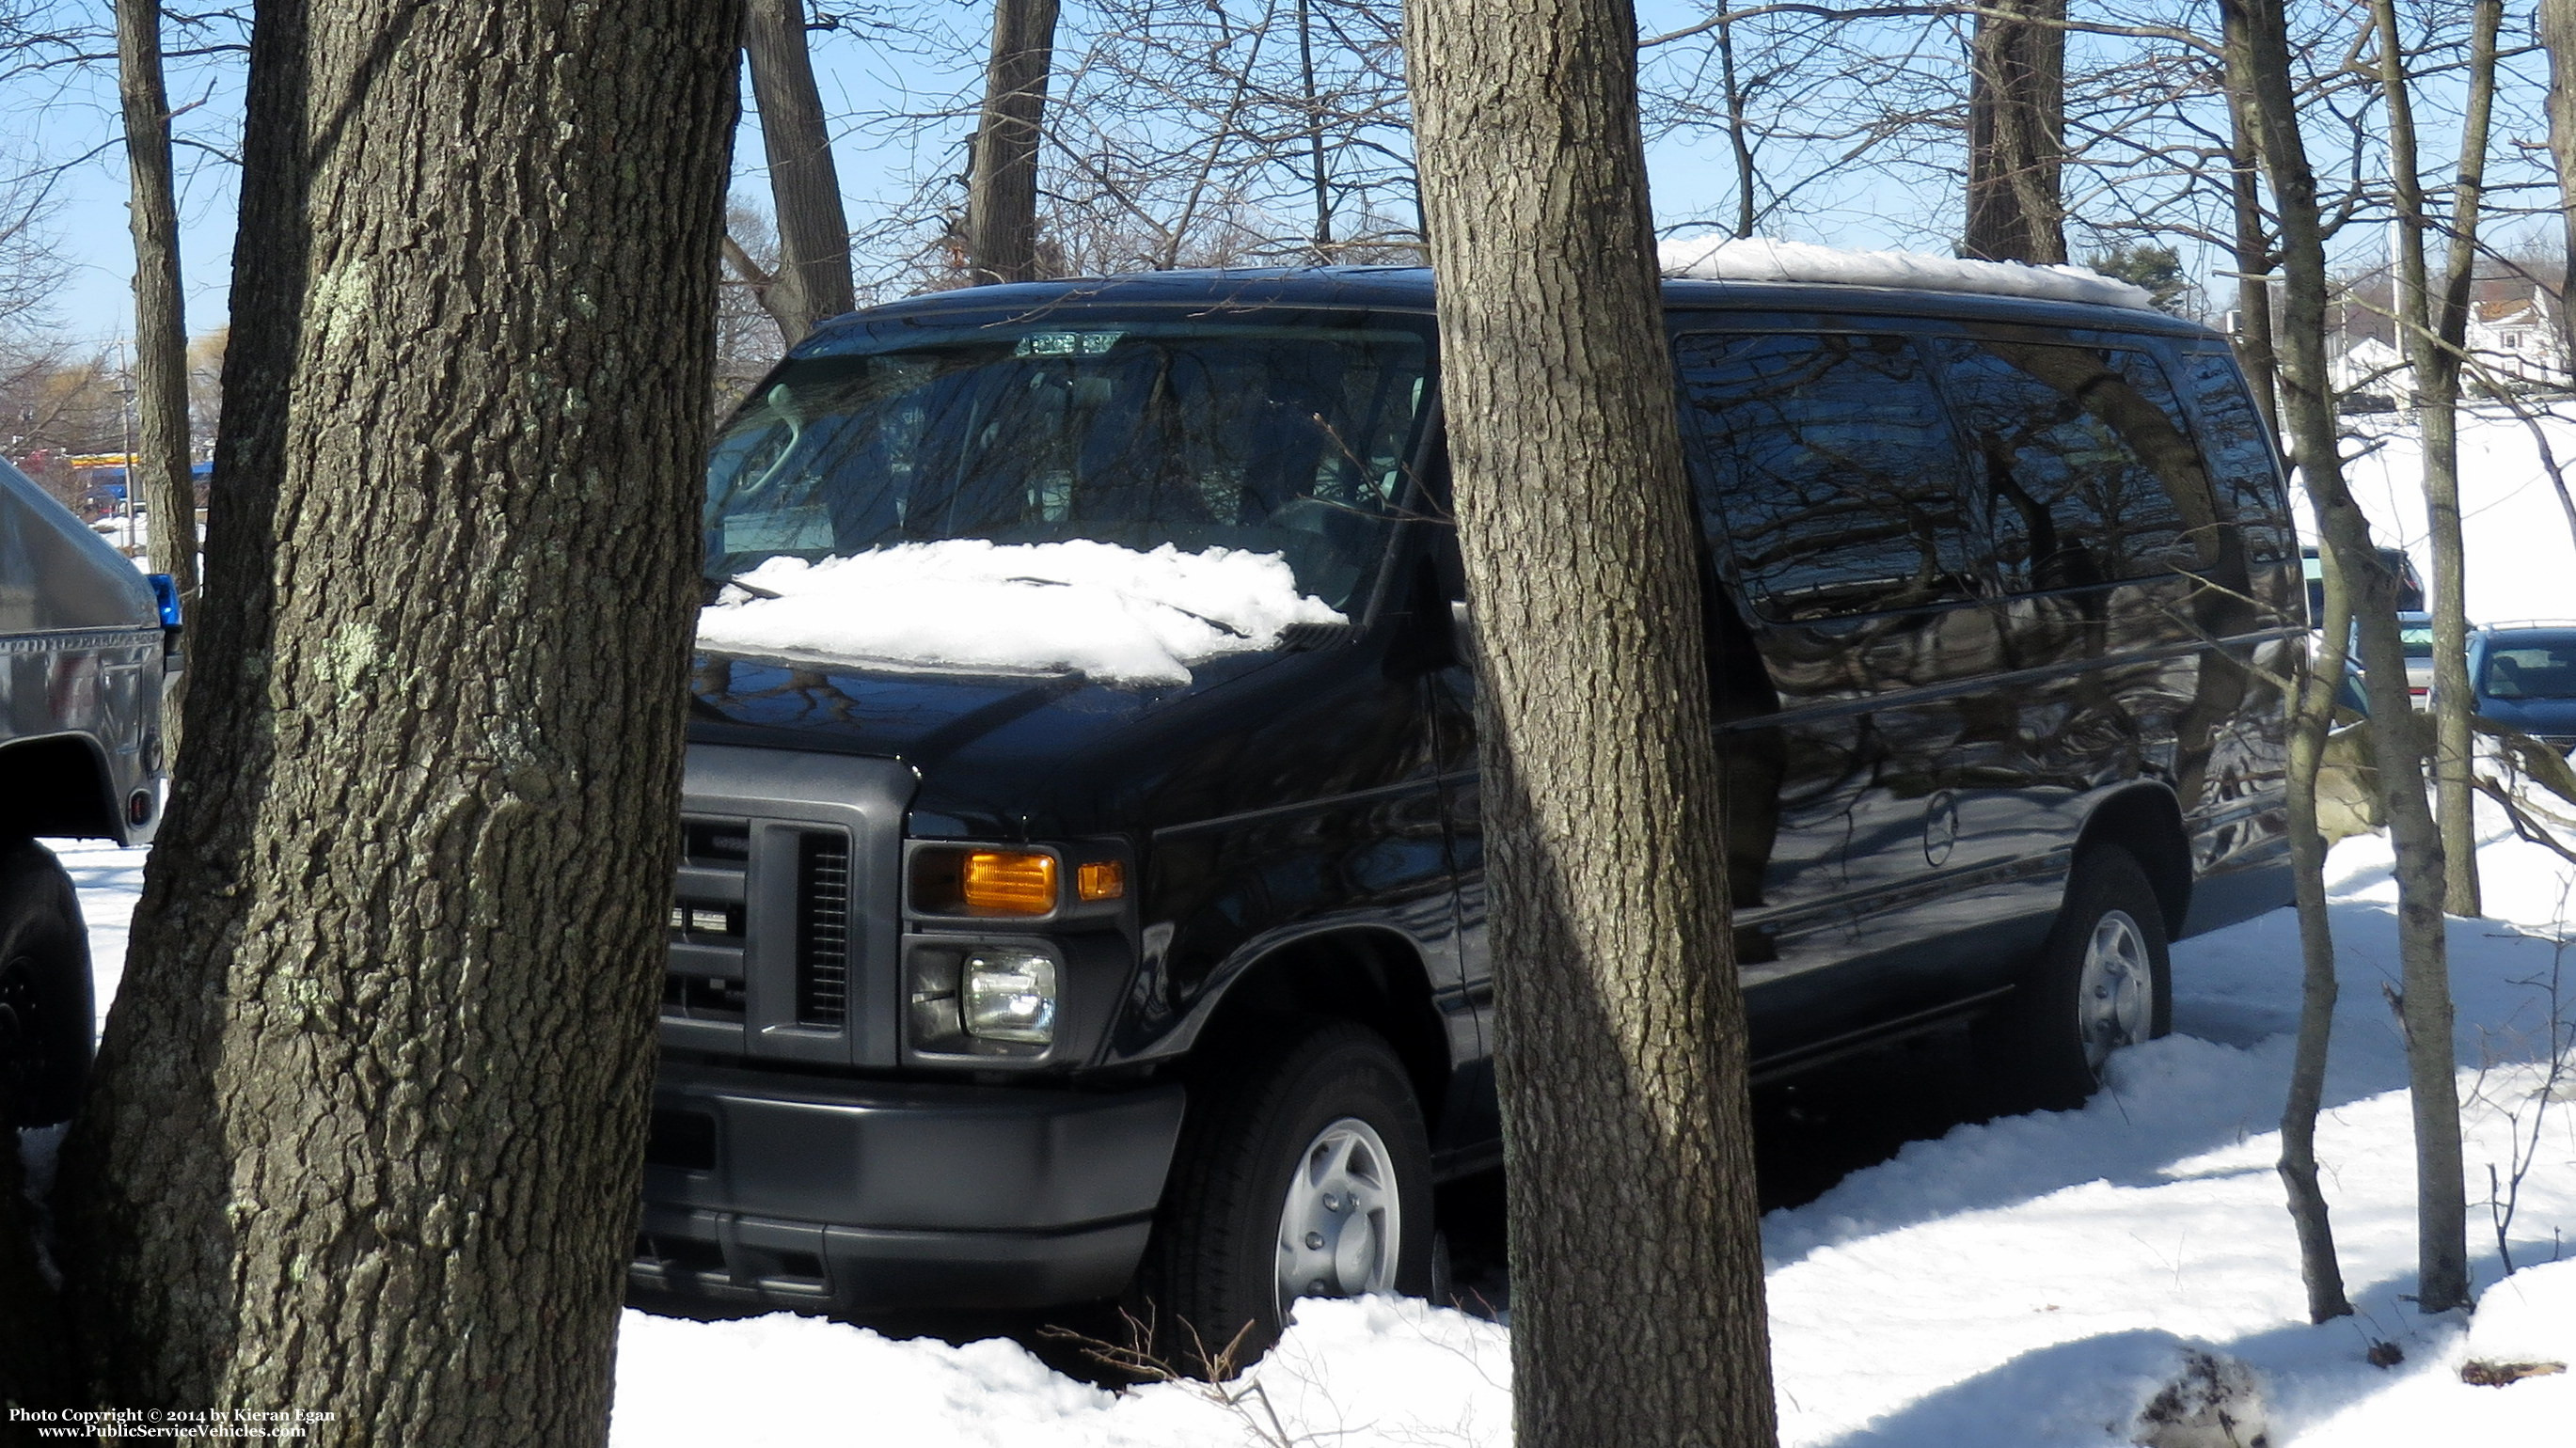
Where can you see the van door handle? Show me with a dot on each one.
(1462, 631)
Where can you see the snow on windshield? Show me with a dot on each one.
(1111, 613)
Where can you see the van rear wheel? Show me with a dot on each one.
(1306, 1173)
(2103, 981)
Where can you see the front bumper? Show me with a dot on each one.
(786, 1191)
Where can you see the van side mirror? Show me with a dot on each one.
(165, 595)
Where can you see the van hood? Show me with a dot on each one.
(923, 717)
(1051, 756)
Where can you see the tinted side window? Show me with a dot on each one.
(2092, 478)
(2240, 457)
(1831, 466)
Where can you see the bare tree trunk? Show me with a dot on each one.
(164, 481)
(1320, 240)
(2433, 344)
(1739, 146)
(2319, 1267)
(2455, 758)
(2017, 133)
(1002, 173)
(1620, 1049)
(367, 1129)
(2308, 404)
(2254, 261)
(2557, 26)
(812, 283)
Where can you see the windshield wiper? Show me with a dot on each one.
(1214, 623)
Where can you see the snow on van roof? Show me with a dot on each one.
(1761, 259)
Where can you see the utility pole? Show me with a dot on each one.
(125, 410)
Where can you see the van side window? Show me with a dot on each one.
(2092, 478)
(1830, 465)
(2240, 457)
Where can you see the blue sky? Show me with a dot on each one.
(75, 116)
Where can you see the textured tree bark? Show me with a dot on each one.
(2017, 133)
(812, 283)
(2557, 27)
(1002, 170)
(2254, 260)
(1620, 1050)
(367, 1127)
(2435, 332)
(2319, 1267)
(2307, 402)
(168, 488)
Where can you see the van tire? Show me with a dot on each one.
(2103, 980)
(46, 1038)
(1211, 1278)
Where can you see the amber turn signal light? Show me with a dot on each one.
(1101, 880)
(1008, 882)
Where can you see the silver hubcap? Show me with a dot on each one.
(1339, 1227)
(2113, 1001)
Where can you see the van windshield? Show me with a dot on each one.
(1272, 439)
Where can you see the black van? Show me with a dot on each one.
(996, 989)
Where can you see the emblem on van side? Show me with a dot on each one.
(1940, 827)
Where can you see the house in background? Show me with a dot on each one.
(2514, 333)
(2520, 338)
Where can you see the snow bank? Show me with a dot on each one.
(1760, 259)
(1375, 1373)
(2530, 1317)
(1112, 613)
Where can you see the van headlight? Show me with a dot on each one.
(1009, 995)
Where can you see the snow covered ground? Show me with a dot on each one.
(2029, 1281)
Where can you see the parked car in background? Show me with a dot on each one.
(2410, 584)
(2415, 636)
(2523, 676)
(84, 643)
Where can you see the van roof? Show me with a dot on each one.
(1396, 288)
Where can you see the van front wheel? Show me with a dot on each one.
(1305, 1174)
(2103, 981)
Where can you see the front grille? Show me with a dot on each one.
(822, 929)
(784, 946)
(721, 932)
(709, 976)
(703, 998)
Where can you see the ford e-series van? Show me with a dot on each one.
(1083, 886)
